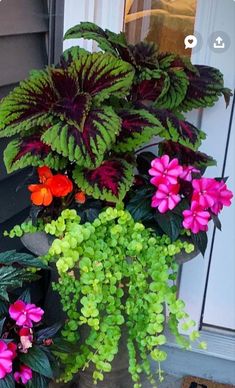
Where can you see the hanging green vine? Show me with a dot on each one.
(115, 272)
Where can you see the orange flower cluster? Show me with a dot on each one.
(50, 186)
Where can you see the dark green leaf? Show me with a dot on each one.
(48, 332)
(8, 382)
(140, 205)
(170, 223)
(12, 278)
(1, 325)
(216, 221)
(200, 240)
(38, 381)
(25, 297)
(3, 309)
(183, 205)
(38, 361)
(23, 259)
(144, 160)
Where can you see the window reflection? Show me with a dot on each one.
(165, 22)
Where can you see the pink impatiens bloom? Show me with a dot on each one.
(24, 375)
(196, 219)
(6, 357)
(165, 171)
(25, 313)
(166, 197)
(186, 174)
(205, 192)
(224, 198)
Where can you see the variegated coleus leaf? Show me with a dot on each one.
(178, 130)
(205, 88)
(28, 105)
(100, 75)
(36, 100)
(31, 151)
(110, 181)
(66, 102)
(87, 142)
(178, 85)
(107, 40)
(174, 61)
(70, 55)
(138, 127)
(185, 155)
(150, 86)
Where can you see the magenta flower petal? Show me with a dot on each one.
(6, 358)
(24, 375)
(24, 314)
(196, 219)
(165, 171)
(34, 313)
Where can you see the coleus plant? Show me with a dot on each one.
(88, 116)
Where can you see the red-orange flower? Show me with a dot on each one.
(41, 195)
(80, 197)
(44, 173)
(60, 185)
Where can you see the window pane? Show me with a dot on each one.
(165, 22)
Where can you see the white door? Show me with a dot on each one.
(208, 285)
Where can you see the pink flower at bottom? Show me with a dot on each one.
(24, 375)
(6, 357)
(166, 198)
(224, 198)
(25, 313)
(196, 219)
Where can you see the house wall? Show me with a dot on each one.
(30, 37)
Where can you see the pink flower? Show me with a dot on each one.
(196, 219)
(166, 197)
(224, 198)
(165, 171)
(24, 375)
(186, 174)
(26, 339)
(25, 313)
(6, 357)
(205, 192)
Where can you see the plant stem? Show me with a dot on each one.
(148, 146)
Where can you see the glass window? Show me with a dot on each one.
(165, 22)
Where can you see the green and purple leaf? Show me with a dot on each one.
(176, 92)
(86, 142)
(31, 151)
(110, 181)
(100, 75)
(151, 86)
(185, 155)
(27, 105)
(138, 126)
(88, 30)
(178, 130)
(205, 88)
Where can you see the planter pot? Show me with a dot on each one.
(39, 244)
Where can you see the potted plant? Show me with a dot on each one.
(111, 216)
